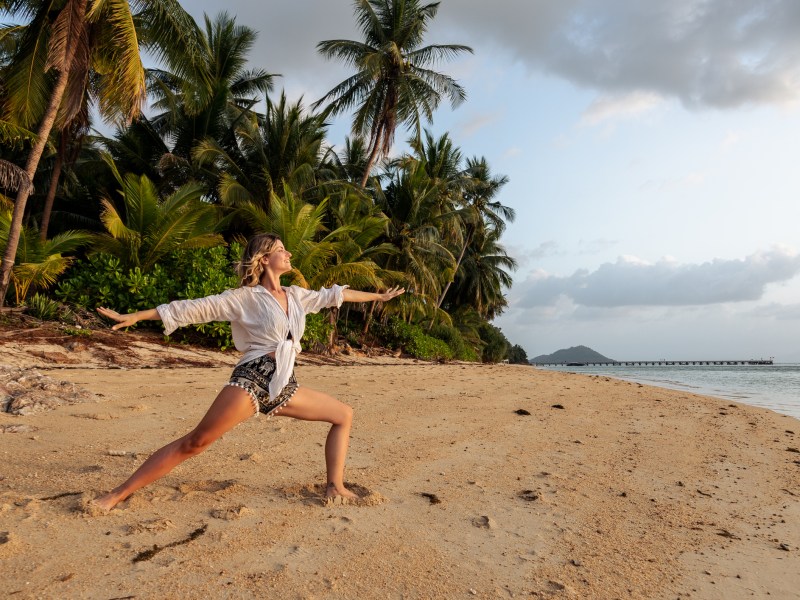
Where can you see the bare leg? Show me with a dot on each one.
(311, 405)
(232, 406)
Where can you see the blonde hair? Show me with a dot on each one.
(249, 268)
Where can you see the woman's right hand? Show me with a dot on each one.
(122, 320)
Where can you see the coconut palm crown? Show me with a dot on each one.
(394, 82)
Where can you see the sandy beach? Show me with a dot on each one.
(480, 481)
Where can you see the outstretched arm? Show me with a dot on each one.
(129, 319)
(357, 296)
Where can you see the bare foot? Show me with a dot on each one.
(106, 502)
(334, 490)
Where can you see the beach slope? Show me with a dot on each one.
(480, 481)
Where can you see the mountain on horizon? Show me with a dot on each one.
(576, 354)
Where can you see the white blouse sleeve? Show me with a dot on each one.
(221, 307)
(314, 301)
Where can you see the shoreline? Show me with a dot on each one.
(783, 405)
(626, 490)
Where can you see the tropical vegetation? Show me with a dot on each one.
(206, 153)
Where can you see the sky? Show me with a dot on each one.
(651, 152)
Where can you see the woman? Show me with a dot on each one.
(267, 323)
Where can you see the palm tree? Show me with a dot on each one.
(215, 96)
(38, 262)
(149, 228)
(411, 202)
(93, 48)
(393, 83)
(480, 208)
(483, 274)
(285, 147)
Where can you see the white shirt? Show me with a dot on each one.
(258, 323)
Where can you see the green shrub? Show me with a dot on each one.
(496, 346)
(78, 332)
(396, 333)
(42, 307)
(453, 338)
(100, 280)
(426, 347)
(318, 330)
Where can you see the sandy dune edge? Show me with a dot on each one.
(626, 491)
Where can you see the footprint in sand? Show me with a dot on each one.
(210, 486)
(8, 543)
(314, 495)
(231, 513)
(290, 557)
(150, 526)
(340, 524)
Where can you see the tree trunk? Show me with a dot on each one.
(368, 319)
(51, 193)
(458, 264)
(45, 127)
(333, 314)
(372, 156)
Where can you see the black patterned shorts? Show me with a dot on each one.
(254, 377)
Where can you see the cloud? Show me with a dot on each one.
(707, 53)
(633, 282)
(781, 312)
(605, 108)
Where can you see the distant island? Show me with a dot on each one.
(576, 354)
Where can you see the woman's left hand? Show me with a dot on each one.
(392, 293)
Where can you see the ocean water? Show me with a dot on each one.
(776, 387)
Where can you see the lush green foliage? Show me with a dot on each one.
(455, 340)
(517, 355)
(413, 340)
(317, 333)
(102, 280)
(206, 166)
(39, 262)
(42, 307)
(496, 345)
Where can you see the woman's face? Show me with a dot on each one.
(278, 259)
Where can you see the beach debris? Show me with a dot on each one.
(727, 534)
(623, 494)
(790, 432)
(118, 452)
(62, 495)
(702, 493)
(433, 498)
(791, 449)
(575, 563)
(17, 428)
(25, 392)
(252, 457)
(148, 554)
(473, 591)
(484, 522)
(558, 406)
(230, 514)
(784, 547)
(522, 411)
(529, 495)
(150, 526)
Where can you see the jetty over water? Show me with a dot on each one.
(658, 363)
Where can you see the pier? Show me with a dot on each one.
(658, 363)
